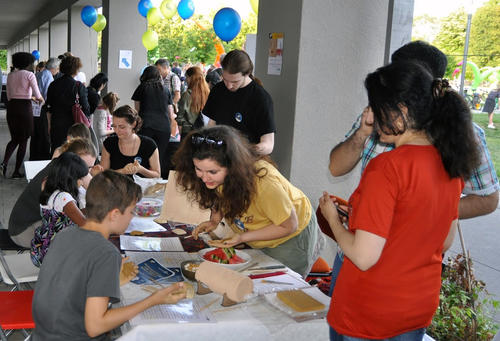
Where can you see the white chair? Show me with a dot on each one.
(32, 168)
(17, 268)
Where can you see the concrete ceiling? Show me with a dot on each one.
(19, 18)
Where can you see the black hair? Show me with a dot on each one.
(63, 175)
(22, 60)
(125, 193)
(100, 79)
(213, 77)
(151, 74)
(433, 107)
(425, 53)
(162, 62)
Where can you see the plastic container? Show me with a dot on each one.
(148, 207)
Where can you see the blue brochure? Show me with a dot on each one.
(151, 271)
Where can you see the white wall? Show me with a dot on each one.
(82, 42)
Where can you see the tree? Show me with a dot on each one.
(451, 37)
(3, 60)
(485, 35)
(193, 40)
(425, 27)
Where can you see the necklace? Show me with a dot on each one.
(125, 148)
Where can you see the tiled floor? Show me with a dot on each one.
(482, 235)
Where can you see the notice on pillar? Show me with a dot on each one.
(275, 59)
(125, 59)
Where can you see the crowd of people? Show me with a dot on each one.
(425, 165)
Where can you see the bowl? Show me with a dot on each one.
(245, 256)
(189, 267)
(148, 207)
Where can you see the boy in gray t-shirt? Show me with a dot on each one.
(80, 274)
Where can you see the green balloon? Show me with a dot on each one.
(150, 39)
(100, 23)
(255, 6)
(154, 16)
(168, 8)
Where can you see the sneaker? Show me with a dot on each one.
(491, 126)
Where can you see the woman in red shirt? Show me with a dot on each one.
(404, 212)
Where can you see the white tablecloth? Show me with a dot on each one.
(253, 320)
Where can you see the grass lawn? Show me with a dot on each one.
(492, 137)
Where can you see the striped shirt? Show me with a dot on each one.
(483, 181)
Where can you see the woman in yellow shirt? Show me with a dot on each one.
(220, 170)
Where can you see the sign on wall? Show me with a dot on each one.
(275, 59)
(125, 59)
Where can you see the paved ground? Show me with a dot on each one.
(482, 235)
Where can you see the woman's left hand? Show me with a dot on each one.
(234, 240)
(328, 208)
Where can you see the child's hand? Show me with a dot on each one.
(170, 295)
(206, 226)
(96, 170)
(328, 208)
(128, 271)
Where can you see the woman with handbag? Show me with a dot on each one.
(21, 88)
(192, 101)
(65, 95)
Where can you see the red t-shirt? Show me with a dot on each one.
(406, 197)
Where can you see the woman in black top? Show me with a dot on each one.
(129, 153)
(61, 97)
(154, 103)
(97, 83)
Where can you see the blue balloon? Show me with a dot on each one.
(227, 24)
(36, 54)
(89, 15)
(144, 6)
(185, 8)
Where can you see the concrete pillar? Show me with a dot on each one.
(34, 42)
(43, 43)
(82, 42)
(58, 37)
(399, 26)
(10, 52)
(327, 51)
(26, 44)
(123, 32)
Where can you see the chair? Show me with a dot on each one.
(15, 313)
(16, 269)
(32, 168)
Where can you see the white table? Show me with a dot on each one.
(253, 320)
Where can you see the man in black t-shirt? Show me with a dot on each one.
(240, 102)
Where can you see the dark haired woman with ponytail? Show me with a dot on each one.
(403, 214)
(241, 102)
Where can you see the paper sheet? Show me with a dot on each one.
(182, 312)
(144, 225)
(150, 243)
(262, 288)
(166, 259)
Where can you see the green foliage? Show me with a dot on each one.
(425, 27)
(485, 35)
(462, 312)
(451, 37)
(3, 60)
(492, 137)
(194, 40)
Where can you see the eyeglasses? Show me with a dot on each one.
(197, 140)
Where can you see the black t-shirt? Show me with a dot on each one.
(117, 160)
(154, 99)
(249, 109)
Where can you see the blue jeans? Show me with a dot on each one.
(414, 335)
(337, 264)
